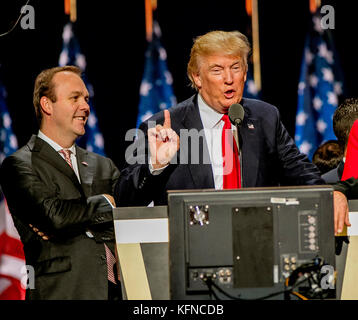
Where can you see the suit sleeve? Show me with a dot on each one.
(31, 201)
(136, 185)
(348, 187)
(297, 169)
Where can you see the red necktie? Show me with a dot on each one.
(231, 161)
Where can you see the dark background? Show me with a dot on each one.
(112, 37)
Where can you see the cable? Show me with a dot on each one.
(308, 271)
(211, 291)
(17, 21)
(224, 292)
(210, 283)
(315, 265)
(298, 295)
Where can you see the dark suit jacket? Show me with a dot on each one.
(348, 187)
(335, 174)
(41, 189)
(269, 157)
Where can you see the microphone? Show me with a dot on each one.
(236, 114)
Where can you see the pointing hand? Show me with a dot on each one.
(163, 143)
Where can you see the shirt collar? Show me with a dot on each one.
(53, 144)
(209, 116)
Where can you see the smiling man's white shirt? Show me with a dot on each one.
(57, 147)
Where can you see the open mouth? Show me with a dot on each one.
(229, 94)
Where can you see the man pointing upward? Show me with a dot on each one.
(268, 156)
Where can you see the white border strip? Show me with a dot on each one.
(141, 230)
(353, 219)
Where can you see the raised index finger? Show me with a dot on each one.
(167, 122)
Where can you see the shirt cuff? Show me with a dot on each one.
(153, 171)
(108, 200)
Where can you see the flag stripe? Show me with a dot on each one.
(4, 285)
(12, 266)
(11, 246)
(11, 289)
(6, 222)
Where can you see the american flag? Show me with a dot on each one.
(71, 55)
(156, 92)
(12, 259)
(250, 90)
(319, 90)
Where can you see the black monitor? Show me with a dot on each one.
(251, 243)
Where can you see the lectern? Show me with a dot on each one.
(142, 238)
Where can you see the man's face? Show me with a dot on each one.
(71, 110)
(220, 81)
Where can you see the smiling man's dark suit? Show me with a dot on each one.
(269, 157)
(42, 189)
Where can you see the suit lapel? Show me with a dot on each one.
(250, 145)
(44, 151)
(202, 174)
(86, 167)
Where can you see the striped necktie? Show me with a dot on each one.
(67, 154)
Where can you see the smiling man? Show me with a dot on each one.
(60, 196)
(267, 155)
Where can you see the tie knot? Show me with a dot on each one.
(66, 152)
(227, 121)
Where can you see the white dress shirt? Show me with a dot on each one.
(213, 126)
(58, 148)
